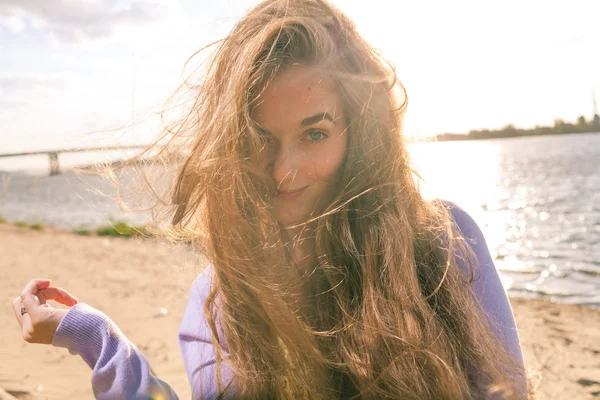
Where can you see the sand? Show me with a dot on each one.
(142, 284)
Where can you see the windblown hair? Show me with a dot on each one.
(391, 309)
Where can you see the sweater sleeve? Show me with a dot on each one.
(120, 370)
(487, 285)
(195, 341)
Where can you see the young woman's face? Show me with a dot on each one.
(303, 120)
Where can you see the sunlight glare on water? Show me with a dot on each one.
(537, 201)
(465, 173)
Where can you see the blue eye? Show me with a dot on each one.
(316, 136)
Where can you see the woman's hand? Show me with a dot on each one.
(40, 321)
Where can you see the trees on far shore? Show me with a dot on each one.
(560, 127)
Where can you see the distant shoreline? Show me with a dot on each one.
(512, 132)
(505, 133)
(453, 137)
(92, 168)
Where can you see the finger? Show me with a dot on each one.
(36, 284)
(17, 309)
(28, 298)
(59, 295)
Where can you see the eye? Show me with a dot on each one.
(316, 136)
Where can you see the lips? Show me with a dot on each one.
(290, 194)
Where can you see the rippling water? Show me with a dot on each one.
(536, 199)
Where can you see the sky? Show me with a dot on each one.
(74, 71)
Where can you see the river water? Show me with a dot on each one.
(536, 199)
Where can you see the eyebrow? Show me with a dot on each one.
(305, 122)
(316, 118)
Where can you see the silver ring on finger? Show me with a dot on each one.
(23, 310)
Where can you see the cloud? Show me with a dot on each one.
(25, 83)
(13, 24)
(26, 90)
(78, 21)
(7, 105)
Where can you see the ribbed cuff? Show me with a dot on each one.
(84, 331)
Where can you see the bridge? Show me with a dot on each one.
(53, 154)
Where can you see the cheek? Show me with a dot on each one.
(325, 165)
(266, 156)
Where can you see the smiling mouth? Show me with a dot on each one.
(288, 195)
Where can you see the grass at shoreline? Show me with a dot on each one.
(120, 229)
(82, 231)
(114, 229)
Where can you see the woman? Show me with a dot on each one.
(330, 276)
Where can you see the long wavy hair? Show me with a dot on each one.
(386, 309)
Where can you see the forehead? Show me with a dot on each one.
(294, 94)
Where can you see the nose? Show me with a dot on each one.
(285, 166)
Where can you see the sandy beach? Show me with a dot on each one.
(142, 284)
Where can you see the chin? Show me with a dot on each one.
(286, 219)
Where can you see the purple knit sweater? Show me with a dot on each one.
(120, 370)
